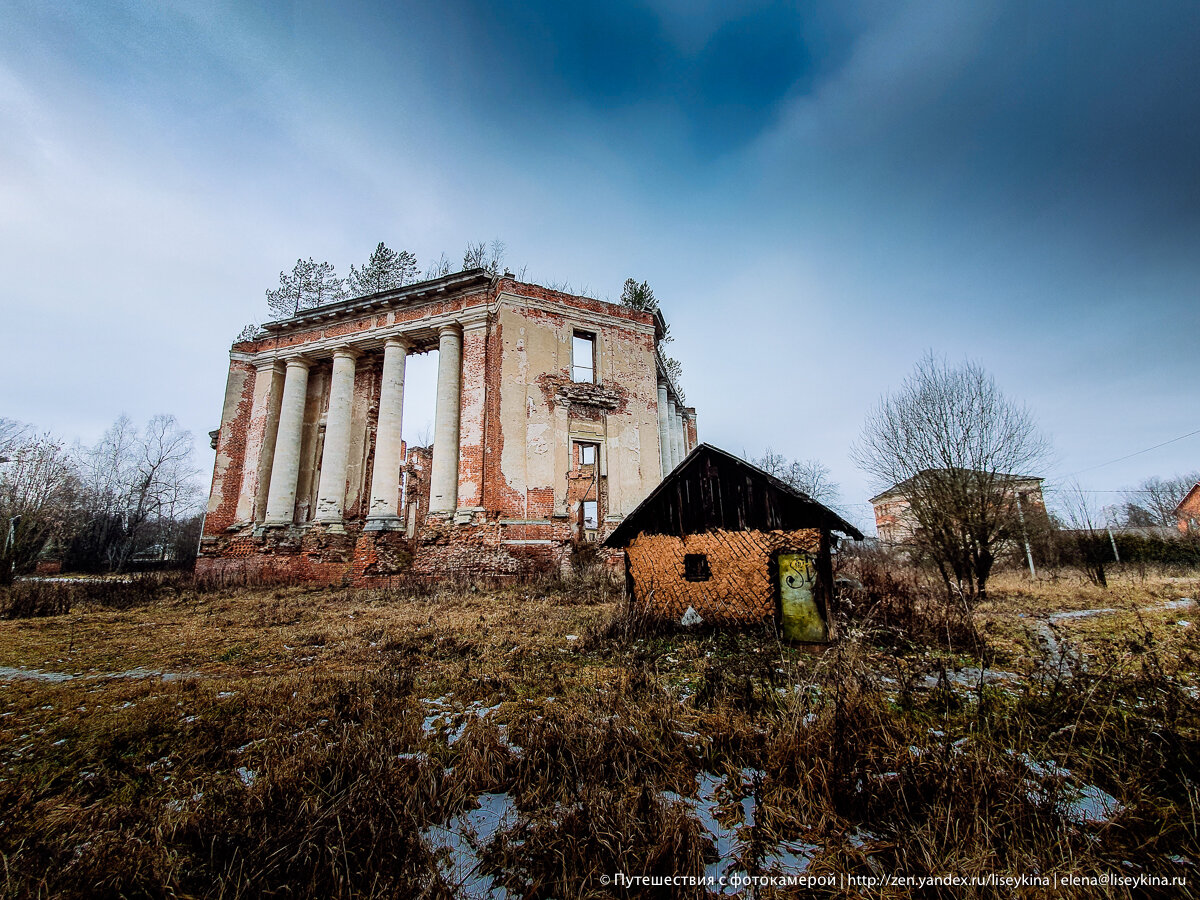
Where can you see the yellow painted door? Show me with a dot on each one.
(801, 618)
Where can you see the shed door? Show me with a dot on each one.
(800, 617)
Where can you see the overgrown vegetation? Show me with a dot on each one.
(324, 742)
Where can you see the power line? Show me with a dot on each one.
(1135, 453)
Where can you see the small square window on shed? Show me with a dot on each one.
(695, 567)
(583, 357)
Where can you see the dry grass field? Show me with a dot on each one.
(536, 739)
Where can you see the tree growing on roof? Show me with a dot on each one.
(386, 269)
(952, 442)
(309, 284)
(641, 297)
(484, 256)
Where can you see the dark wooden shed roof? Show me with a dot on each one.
(714, 490)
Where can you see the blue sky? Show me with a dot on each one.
(818, 193)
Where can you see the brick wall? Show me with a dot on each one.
(513, 484)
(231, 448)
(741, 588)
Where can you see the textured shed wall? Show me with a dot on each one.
(741, 588)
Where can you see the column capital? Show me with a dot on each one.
(347, 352)
(449, 328)
(297, 361)
(400, 341)
(269, 365)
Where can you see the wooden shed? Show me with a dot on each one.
(735, 544)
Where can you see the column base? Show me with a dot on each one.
(333, 526)
(384, 523)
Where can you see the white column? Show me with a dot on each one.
(664, 431)
(385, 475)
(672, 437)
(443, 475)
(680, 450)
(331, 490)
(260, 440)
(285, 468)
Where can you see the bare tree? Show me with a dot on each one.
(38, 485)
(139, 484)
(952, 444)
(1087, 539)
(438, 268)
(484, 256)
(12, 434)
(808, 476)
(1153, 502)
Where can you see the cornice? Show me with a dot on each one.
(420, 335)
(574, 312)
(436, 290)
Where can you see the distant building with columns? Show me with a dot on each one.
(555, 417)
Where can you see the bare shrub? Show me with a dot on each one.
(894, 604)
(34, 599)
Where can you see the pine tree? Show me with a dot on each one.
(385, 270)
(638, 296)
(309, 284)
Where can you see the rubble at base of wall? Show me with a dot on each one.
(476, 548)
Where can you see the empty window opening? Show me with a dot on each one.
(591, 515)
(583, 357)
(587, 454)
(695, 567)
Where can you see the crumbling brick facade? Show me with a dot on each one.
(551, 420)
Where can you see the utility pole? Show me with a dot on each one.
(1025, 537)
(9, 543)
(1108, 527)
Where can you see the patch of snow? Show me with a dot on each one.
(10, 674)
(691, 617)
(247, 776)
(789, 858)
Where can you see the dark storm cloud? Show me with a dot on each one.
(1083, 103)
(535, 59)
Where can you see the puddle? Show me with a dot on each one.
(459, 842)
(1081, 805)
(715, 799)
(1089, 805)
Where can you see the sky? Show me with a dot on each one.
(818, 193)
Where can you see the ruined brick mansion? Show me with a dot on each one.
(554, 418)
